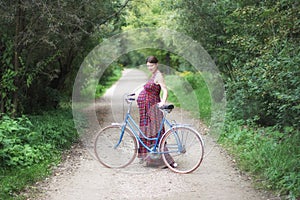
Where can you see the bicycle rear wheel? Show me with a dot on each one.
(183, 146)
(109, 153)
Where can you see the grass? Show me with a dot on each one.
(190, 95)
(271, 156)
(13, 181)
(30, 146)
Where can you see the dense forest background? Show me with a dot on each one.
(255, 45)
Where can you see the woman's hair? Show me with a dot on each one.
(152, 59)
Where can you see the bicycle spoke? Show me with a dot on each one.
(108, 153)
(183, 146)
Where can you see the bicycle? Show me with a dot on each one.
(116, 145)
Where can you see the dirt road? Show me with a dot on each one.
(82, 177)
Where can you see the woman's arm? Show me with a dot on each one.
(159, 79)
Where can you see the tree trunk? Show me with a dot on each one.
(20, 22)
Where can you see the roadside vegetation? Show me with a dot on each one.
(270, 155)
(255, 45)
(194, 87)
(30, 146)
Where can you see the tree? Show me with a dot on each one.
(150, 14)
(256, 46)
(43, 44)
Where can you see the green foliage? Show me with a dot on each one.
(268, 88)
(14, 180)
(153, 14)
(267, 153)
(48, 51)
(149, 13)
(265, 72)
(94, 88)
(191, 89)
(26, 142)
(255, 45)
(109, 77)
(55, 128)
(8, 75)
(18, 146)
(29, 145)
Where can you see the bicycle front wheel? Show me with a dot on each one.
(183, 146)
(113, 153)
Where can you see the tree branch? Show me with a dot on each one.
(116, 13)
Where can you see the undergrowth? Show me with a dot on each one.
(29, 146)
(269, 154)
(189, 91)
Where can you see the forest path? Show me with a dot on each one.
(82, 177)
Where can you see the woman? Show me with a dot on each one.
(148, 102)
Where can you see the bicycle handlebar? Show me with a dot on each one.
(128, 97)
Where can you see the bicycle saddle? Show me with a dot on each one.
(167, 107)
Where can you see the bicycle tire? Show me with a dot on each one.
(190, 157)
(105, 150)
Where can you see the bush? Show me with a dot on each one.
(19, 147)
(272, 156)
(268, 88)
(188, 87)
(56, 128)
(261, 58)
(28, 145)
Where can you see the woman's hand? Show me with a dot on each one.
(160, 104)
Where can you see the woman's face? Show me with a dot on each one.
(152, 67)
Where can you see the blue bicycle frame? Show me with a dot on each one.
(129, 121)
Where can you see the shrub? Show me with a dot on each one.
(29, 145)
(272, 156)
(267, 88)
(55, 128)
(200, 88)
(19, 147)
